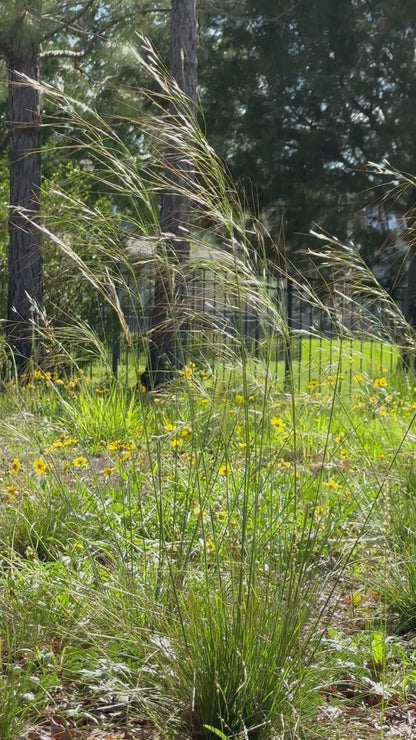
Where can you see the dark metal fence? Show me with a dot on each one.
(221, 321)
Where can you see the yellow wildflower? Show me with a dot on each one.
(186, 432)
(332, 484)
(119, 446)
(358, 378)
(319, 512)
(176, 443)
(15, 465)
(40, 466)
(69, 441)
(108, 471)
(239, 399)
(278, 424)
(169, 428)
(210, 545)
(79, 462)
(380, 382)
(312, 384)
(224, 470)
(127, 446)
(343, 454)
(11, 491)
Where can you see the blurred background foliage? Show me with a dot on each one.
(295, 96)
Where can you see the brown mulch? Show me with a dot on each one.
(364, 723)
(57, 728)
(343, 722)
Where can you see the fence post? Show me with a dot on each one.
(287, 339)
(115, 344)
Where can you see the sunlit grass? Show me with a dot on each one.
(168, 538)
(204, 558)
(315, 362)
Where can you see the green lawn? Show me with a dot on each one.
(312, 359)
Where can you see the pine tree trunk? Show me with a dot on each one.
(25, 256)
(168, 330)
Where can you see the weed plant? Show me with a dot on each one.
(192, 558)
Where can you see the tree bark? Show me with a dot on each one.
(25, 255)
(168, 331)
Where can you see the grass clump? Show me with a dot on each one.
(202, 559)
(209, 569)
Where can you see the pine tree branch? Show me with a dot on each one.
(65, 24)
(67, 53)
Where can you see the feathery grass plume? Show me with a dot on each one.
(220, 243)
(353, 289)
(375, 315)
(205, 563)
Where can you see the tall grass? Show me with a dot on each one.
(184, 552)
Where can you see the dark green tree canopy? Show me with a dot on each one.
(299, 96)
